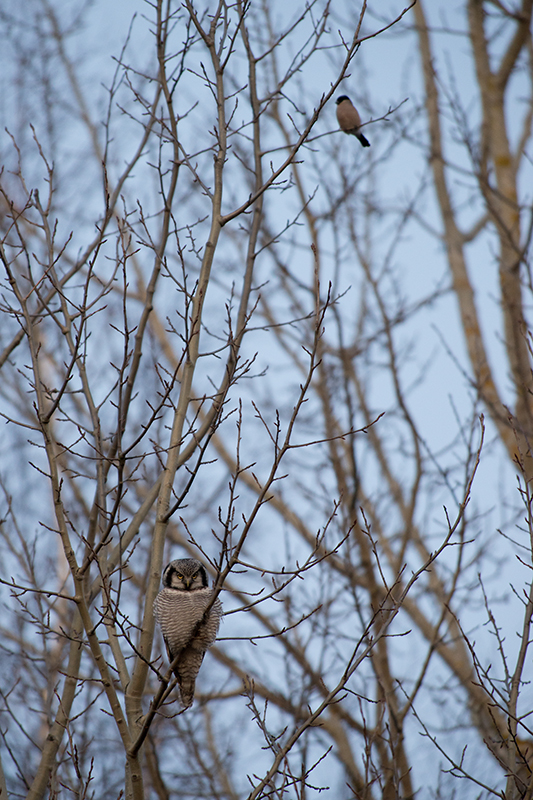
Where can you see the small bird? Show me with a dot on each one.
(179, 609)
(349, 119)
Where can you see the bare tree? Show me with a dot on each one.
(214, 344)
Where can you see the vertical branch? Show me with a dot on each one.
(51, 449)
(454, 243)
(502, 200)
(135, 690)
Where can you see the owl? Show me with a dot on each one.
(179, 608)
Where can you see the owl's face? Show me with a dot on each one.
(185, 575)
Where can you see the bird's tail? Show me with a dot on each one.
(364, 141)
(187, 692)
(187, 672)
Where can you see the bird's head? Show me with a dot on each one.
(185, 575)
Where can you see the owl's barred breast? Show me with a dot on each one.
(178, 613)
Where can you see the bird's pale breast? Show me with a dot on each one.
(348, 116)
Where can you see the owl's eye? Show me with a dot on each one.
(179, 576)
(195, 576)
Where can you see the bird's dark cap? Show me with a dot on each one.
(341, 98)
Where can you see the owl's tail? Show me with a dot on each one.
(187, 672)
(187, 692)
